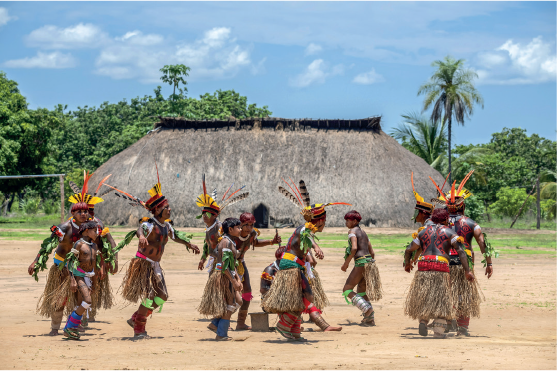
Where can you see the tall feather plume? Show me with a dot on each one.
(225, 193)
(297, 190)
(438, 189)
(235, 192)
(235, 199)
(156, 167)
(304, 193)
(85, 187)
(443, 186)
(127, 196)
(453, 192)
(74, 187)
(289, 196)
(412, 180)
(106, 192)
(461, 186)
(204, 187)
(101, 184)
(293, 191)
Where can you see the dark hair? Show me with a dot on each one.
(353, 215)
(439, 216)
(247, 218)
(79, 206)
(230, 223)
(87, 225)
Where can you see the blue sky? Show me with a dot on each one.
(302, 59)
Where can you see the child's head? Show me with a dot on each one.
(247, 221)
(231, 226)
(352, 218)
(89, 229)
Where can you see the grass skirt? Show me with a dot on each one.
(49, 302)
(101, 296)
(216, 296)
(285, 294)
(139, 282)
(429, 296)
(374, 289)
(466, 295)
(320, 300)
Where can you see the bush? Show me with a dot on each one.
(51, 207)
(30, 205)
(547, 209)
(474, 209)
(509, 201)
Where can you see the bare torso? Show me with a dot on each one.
(157, 237)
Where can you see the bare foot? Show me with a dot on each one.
(53, 333)
(332, 328)
(243, 327)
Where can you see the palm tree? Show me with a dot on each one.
(452, 93)
(422, 137)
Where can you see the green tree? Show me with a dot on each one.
(509, 201)
(25, 138)
(174, 75)
(422, 137)
(452, 93)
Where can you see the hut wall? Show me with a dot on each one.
(364, 167)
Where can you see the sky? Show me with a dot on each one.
(323, 60)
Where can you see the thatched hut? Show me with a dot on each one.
(340, 160)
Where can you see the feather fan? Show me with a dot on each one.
(235, 199)
(74, 187)
(289, 196)
(304, 193)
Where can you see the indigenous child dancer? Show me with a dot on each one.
(81, 263)
(291, 293)
(269, 273)
(466, 295)
(429, 296)
(365, 273)
(144, 279)
(221, 297)
(210, 212)
(103, 297)
(62, 239)
(247, 238)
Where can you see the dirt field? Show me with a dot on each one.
(517, 329)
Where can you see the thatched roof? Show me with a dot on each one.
(340, 160)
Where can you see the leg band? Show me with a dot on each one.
(139, 324)
(74, 320)
(348, 292)
(310, 308)
(147, 303)
(159, 302)
(361, 303)
(231, 308)
(320, 322)
(85, 305)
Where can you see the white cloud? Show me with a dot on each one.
(73, 37)
(5, 17)
(214, 56)
(368, 78)
(44, 60)
(259, 68)
(313, 49)
(515, 63)
(137, 38)
(316, 73)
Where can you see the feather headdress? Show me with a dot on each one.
(454, 199)
(156, 200)
(300, 198)
(421, 205)
(208, 203)
(81, 195)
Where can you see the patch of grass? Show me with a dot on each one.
(521, 223)
(29, 221)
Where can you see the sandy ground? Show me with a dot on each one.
(517, 329)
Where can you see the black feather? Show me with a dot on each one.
(305, 194)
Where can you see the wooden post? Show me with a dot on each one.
(538, 206)
(62, 198)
